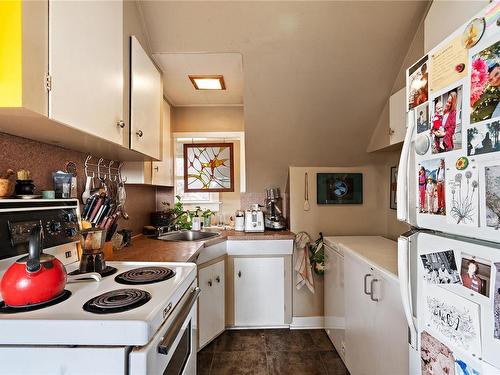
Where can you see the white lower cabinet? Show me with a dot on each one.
(375, 327)
(334, 299)
(259, 291)
(211, 308)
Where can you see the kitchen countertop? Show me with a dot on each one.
(381, 252)
(147, 249)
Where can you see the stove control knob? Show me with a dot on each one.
(71, 232)
(70, 217)
(55, 226)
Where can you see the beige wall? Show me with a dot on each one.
(373, 217)
(207, 119)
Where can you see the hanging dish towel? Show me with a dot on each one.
(303, 263)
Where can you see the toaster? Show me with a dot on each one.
(254, 219)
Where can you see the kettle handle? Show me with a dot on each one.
(35, 248)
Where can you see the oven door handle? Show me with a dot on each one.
(178, 321)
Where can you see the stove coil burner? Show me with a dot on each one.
(6, 309)
(117, 301)
(145, 275)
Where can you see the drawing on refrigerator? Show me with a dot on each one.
(464, 367)
(441, 267)
(463, 193)
(455, 319)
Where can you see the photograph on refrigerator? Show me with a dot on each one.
(491, 198)
(485, 84)
(454, 319)
(475, 273)
(483, 138)
(496, 303)
(431, 186)
(435, 357)
(417, 83)
(462, 193)
(446, 121)
(440, 267)
(422, 117)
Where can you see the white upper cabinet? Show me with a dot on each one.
(145, 102)
(163, 171)
(86, 67)
(397, 117)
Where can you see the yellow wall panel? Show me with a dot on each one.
(10, 53)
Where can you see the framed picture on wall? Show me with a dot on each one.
(393, 188)
(208, 167)
(339, 188)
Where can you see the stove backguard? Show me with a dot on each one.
(59, 219)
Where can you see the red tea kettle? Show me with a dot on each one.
(35, 278)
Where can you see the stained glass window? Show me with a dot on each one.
(208, 167)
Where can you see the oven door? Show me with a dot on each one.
(172, 350)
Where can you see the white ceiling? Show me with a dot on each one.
(317, 74)
(178, 88)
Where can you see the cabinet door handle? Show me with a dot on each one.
(239, 273)
(139, 133)
(374, 299)
(367, 292)
(121, 124)
(209, 282)
(217, 279)
(156, 168)
(391, 131)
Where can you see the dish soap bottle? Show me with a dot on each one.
(196, 225)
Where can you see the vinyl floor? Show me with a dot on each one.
(270, 352)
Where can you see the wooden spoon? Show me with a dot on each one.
(307, 207)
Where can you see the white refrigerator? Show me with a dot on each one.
(448, 190)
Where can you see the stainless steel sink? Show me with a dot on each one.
(188, 235)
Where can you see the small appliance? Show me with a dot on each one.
(254, 219)
(274, 219)
(239, 222)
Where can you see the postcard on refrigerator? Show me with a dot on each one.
(435, 357)
(448, 65)
(489, 198)
(456, 320)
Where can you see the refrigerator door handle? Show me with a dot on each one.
(402, 190)
(404, 286)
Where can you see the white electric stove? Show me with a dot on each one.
(139, 320)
